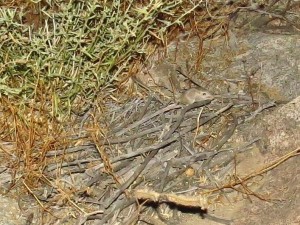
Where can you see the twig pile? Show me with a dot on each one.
(146, 155)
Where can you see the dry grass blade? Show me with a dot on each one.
(240, 181)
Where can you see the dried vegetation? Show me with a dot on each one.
(64, 127)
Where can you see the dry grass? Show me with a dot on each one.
(57, 57)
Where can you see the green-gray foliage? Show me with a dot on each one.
(80, 47)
